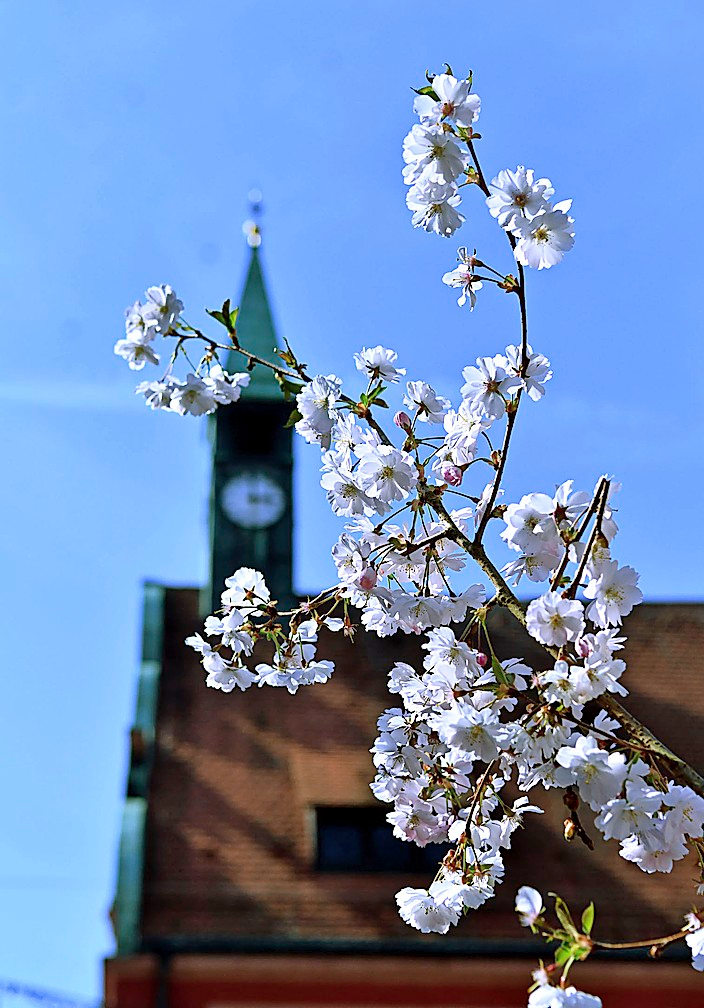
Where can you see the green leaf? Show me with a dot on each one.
(381, 402)
(217, 315)
(427, 90)
(288, 388)
(503, 677)
(564, 916)
(364, 399)
(233, 317)
(588, 919)
(563, 954)
(293, 418)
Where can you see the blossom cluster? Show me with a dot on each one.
(389, 571)
(434, 159)
(144, 322)
(202, 390)
(542, 231)
(195, 394)
(465, 730)
(246, 617)
(438, 152)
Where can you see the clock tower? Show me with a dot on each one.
(251, 514)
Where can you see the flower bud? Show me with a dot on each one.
(451, 474)
(402, 420)
(482, 659)
(571, 799)
(582, 647)
(367, 579)
(570, 829)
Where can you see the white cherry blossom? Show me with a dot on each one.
(529, 905)
(555, 620)
(162, 308)
(614, 594)
(135, 353)
(387, 473)
(434, 207)
(378, 363)
(455, 102)
(422, 398)
(432, 155)
(463, 277)
(488, 385)
(517, 196)
(193, 396)
(543, 241)
(424, 910)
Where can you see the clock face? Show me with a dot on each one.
(253, 500)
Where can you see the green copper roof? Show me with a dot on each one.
(255, 331)
(127, 906)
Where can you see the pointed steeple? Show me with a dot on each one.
(251, 508)
(255, 326)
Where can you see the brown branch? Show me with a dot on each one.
(557, 577)
(681, 771)
(601, 495)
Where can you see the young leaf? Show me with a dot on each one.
(564, 916)
(426, 91)
(288, 388)
(217, 315)
(502, 677)
(563, 954)
(588, 919)
(293, 418)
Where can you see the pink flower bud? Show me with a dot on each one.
(367, 579)
(482, 659)
(582, 647)
(451, 474)
(402, 420)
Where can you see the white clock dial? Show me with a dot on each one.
(253, 500)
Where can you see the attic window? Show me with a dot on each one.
(359, 839)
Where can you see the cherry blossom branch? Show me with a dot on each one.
(481, 181)
(521, 286)
(580, 532)
(365, 474)
(496, 485)
(649, 742)
(652, 943)
(601, 495)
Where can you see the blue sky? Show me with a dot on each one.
(132, 135)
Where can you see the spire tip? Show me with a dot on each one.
(251, 229)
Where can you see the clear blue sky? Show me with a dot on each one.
(131, 136)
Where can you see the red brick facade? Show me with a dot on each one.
(230, 842)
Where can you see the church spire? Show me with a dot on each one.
(251, 509)
(255, 326)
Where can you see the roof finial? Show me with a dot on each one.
(251, 228)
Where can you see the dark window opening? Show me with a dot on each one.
(359, 839)
(255, 430)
